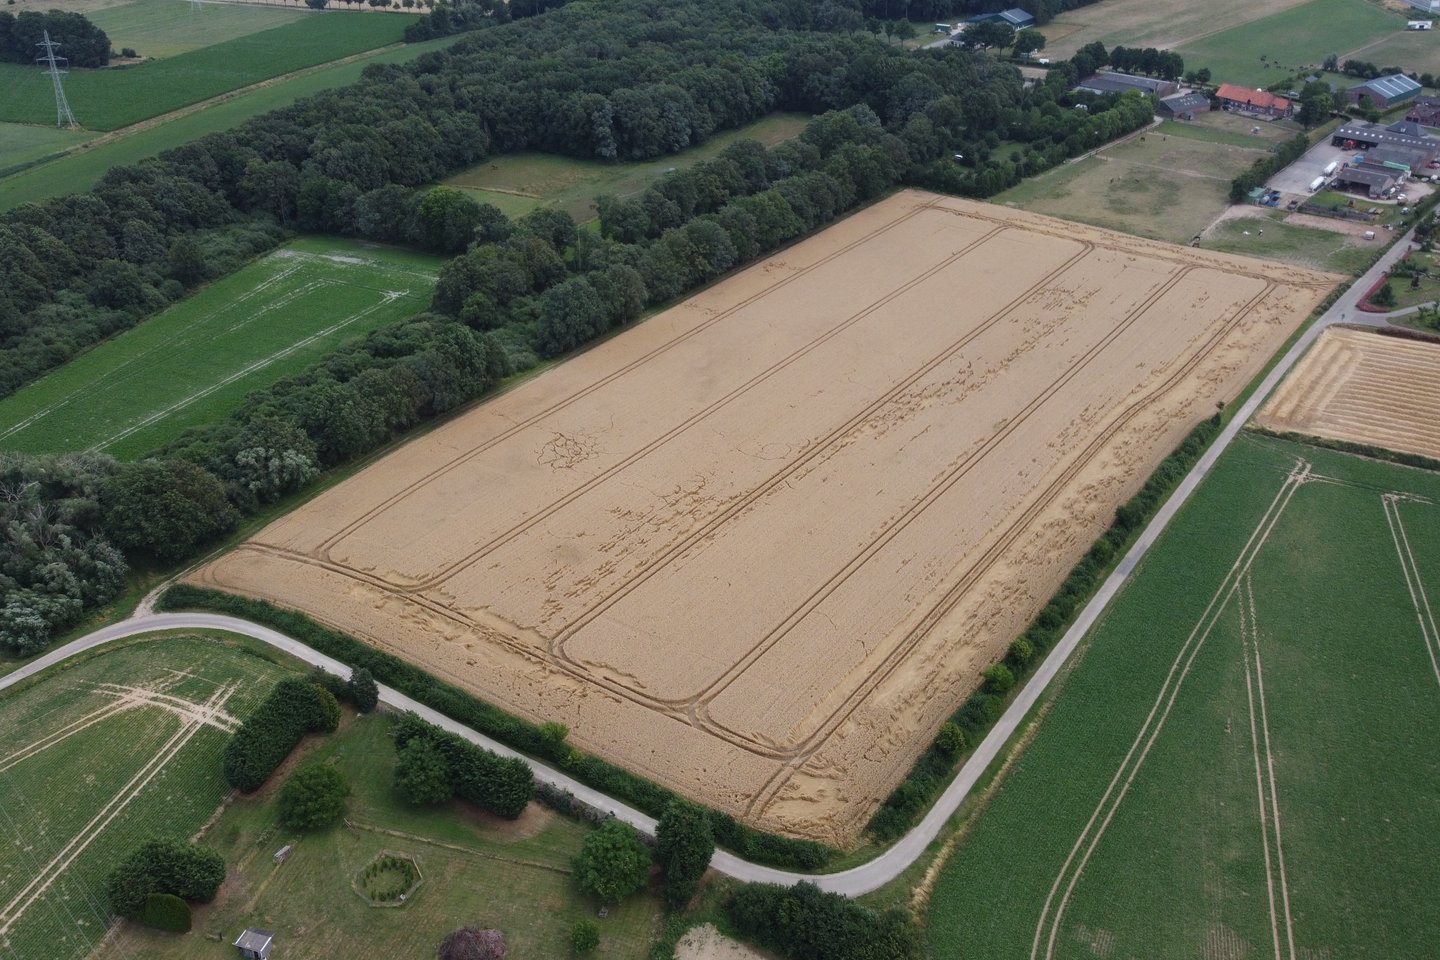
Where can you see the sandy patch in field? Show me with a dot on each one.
(706, 943)
(1363, 387)
(759, 547)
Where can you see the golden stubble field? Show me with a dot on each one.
(1363, 387)
(759, 547)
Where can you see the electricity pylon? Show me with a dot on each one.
(63, 116)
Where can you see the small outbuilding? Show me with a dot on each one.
(1384, 92)
(1373, 182)
(255, 944)
(1184, 106)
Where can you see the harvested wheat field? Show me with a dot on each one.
(760, 546)
(1364, 387)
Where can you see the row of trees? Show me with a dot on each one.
(804, 923)
(616, 862)
(434, 765)
(83, 43)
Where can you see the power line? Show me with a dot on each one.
(63, 116)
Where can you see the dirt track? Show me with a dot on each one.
(759, 547)
(1363, 387)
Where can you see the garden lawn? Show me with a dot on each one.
(477, 870)
(1300, 245)
(115, 97)
(193, 363)
(520, 182)
(1266, 51)
(1286, 787)
(81, 169)
(83, 781)
(161, 28)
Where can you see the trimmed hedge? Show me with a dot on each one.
(185, 870)
(1358, 449)
(502, 785)
(294, 708)
(460, 706)
(803, 923)
(165, 911)
(936, 766)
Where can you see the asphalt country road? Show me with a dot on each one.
(888, 865)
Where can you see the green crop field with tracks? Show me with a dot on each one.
(156, 29)
(196, 361)
(120, 748)
(1243, 758)
(116, 97)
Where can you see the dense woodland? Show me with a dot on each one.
(626, 79)
(80, 41)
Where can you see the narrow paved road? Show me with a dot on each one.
(886, 867)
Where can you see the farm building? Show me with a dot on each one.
(255, 944)
(1426, 6)
(1401, 133)
(1017, 18)
(1260, 103)
(1384, 92)
(1367, 179)
(1406, 160)
(1184, 106)
(1425, 111)
(1102, 83)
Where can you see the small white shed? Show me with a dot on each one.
(255, 944)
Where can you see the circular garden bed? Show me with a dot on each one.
(389, 880)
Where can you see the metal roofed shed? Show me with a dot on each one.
(255, 944)
(1015, 17)
(1185, 105)
(1403, 133)
(1384, 91)
(1376, 182)
(1102, 83)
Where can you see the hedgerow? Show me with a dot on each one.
(294, 708)
(460, 706)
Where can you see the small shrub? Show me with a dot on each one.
(1385, 296)
(553, 736)
(998, 679)
(950, 741)
(313, 797)
(422, 775)
(584, 936)
(364, 694)
(1021, 649)
(613, 863)
(165, 911)
(469, 943)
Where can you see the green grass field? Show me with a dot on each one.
(478, 870)
(194, 362)
(521, 182)
(1243, 758)
(116, 97)
(159, 28)
(1168, 184)
(22, 144)
(81, 169)
(95, 760)
(1302, 37)
(1301, 245)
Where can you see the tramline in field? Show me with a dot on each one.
(193, 363)
(758, 546)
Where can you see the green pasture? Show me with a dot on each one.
(1318, 634)
(1168, 184)
(1160, 23)
(115, 97)
(65, 764)
(477, 870)
(520, 182)
(163, 28)
(1292, 243)
(196, 361)
(1267, 50)
(23, 144)
(82, 168)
